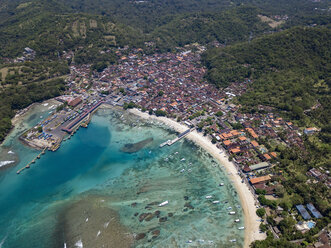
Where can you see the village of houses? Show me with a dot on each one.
(174, 84)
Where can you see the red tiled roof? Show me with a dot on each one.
(260, 179)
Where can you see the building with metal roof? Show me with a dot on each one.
(314, 211)
(304, 213)
(259, 166)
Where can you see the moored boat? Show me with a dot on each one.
(163, 203)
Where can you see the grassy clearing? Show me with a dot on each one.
(272, 23)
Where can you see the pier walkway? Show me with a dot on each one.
(179, 137)
(32, 161)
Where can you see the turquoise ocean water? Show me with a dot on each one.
(90, 193)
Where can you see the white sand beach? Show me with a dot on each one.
(246, 196)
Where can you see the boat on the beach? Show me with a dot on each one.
(163, 203)
(232, 213)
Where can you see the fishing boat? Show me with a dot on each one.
(237, 220)
(233, 240)
(215, 202)
(208, 196)
(241, 228)
(221, 184)
(232, 213)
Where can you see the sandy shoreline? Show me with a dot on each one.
(246, 197)
(21, 114)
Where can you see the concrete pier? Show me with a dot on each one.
(179, 137)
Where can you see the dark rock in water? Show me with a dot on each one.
(163, 219)
(157, 213)
(134, 204)
(135, 147)
(188, 205)
(149, 217)
(136, 214)
(170, 214)
(148, 207)
(153, 203)
(71, 224)
(142, 216)
(185, 198)
(156, 233)
(140, 236)
(185, 210)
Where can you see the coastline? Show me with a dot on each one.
(246, 197)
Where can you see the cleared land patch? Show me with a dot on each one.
(272, 23)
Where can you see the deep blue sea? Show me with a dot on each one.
(92, 193)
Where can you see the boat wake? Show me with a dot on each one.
(3, 241)
(79, 244)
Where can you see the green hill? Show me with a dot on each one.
(290, 69)
(233, 25)
(44, 28)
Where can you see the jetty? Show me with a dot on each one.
(179, 137)
(32, 161)
(70, 128)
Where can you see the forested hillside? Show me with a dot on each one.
(227, 27)
(290, 70)
(44, 29)
(149, 14)
(52, 26)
